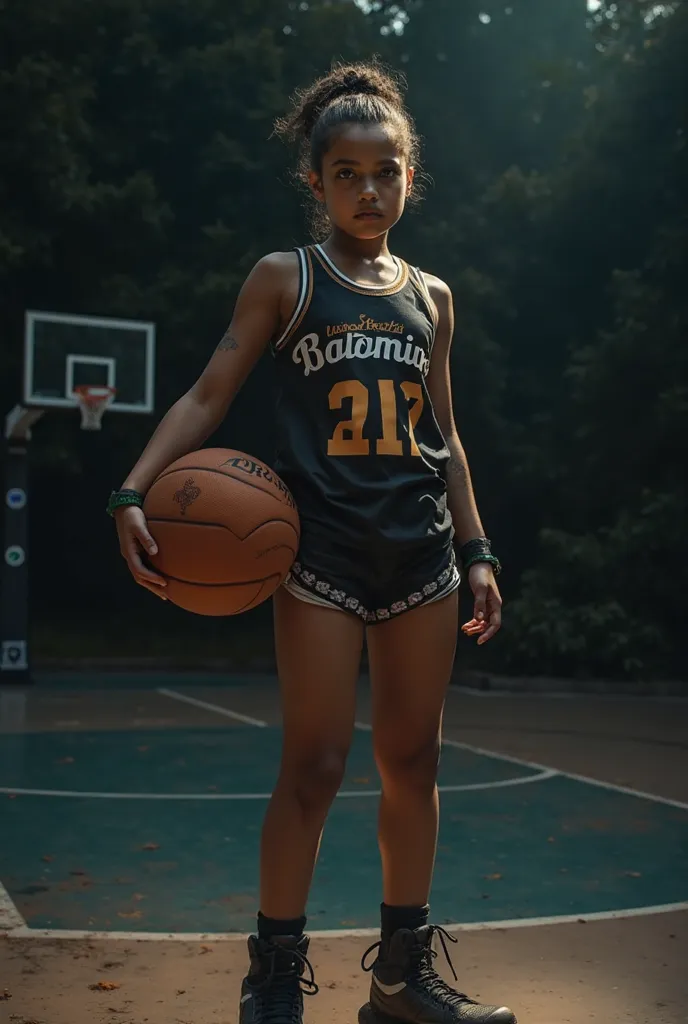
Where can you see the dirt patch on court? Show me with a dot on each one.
(626, 972)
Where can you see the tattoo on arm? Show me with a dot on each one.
(228, 343)
(457, 470)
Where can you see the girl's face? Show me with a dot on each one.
(365, 181)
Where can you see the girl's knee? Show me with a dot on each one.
(316, 778)
(411, 766)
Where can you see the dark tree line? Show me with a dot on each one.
(139, 177)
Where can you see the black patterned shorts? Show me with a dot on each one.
(373, 600)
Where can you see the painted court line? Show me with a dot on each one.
(615, 698)
(23, 932)
(537, 767)
(217, 708)
(350, 794)
(10, 918)
(586, 779)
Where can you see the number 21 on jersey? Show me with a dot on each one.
(348, 438)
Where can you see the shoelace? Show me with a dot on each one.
(284, 986)
(422, 967)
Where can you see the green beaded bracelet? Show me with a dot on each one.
(479, 550)
(490, 559)
(120, 499)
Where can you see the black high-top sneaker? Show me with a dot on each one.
(406, 988)
(273, 991)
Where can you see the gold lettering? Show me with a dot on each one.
(356, 443)
(389, 443)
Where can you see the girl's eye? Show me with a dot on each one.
(345, 172)
(390, 172)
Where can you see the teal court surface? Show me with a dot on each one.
(133, 806)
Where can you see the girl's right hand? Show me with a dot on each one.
(134, 538)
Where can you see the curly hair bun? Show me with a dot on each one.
(361, 79)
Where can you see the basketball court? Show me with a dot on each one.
(131, 823)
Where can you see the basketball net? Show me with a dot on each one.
(93, 400)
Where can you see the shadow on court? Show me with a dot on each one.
(131, 823)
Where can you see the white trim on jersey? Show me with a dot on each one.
(304, 289)
(419, 278)
(357, 284)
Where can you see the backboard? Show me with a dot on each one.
(63, 351)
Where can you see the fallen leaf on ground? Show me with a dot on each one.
(5, 995)
(151, 846)
(493, 878)
(207, 949)
(105, 986)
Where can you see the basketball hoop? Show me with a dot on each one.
(93, 400)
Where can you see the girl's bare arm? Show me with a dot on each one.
(460, 496)
(264, 303)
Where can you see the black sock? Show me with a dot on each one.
(270, 927)
(394, 918)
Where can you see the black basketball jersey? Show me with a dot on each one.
(358, 443)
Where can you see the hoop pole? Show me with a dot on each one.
(14, 568)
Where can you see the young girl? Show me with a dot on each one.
(370, 451)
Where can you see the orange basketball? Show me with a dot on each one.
(227, 531)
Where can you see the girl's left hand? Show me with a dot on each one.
(487, 611)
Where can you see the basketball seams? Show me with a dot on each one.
(258, 599)
(213, 586)
(224, 526)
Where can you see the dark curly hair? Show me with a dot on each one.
(363, 93)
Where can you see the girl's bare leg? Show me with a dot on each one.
(411, 660)
(318, 661)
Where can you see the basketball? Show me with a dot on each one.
(227, 531)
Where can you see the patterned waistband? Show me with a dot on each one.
(443, 584)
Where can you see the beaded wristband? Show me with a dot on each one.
(120, 499)
(479, 550)
(491, 559)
